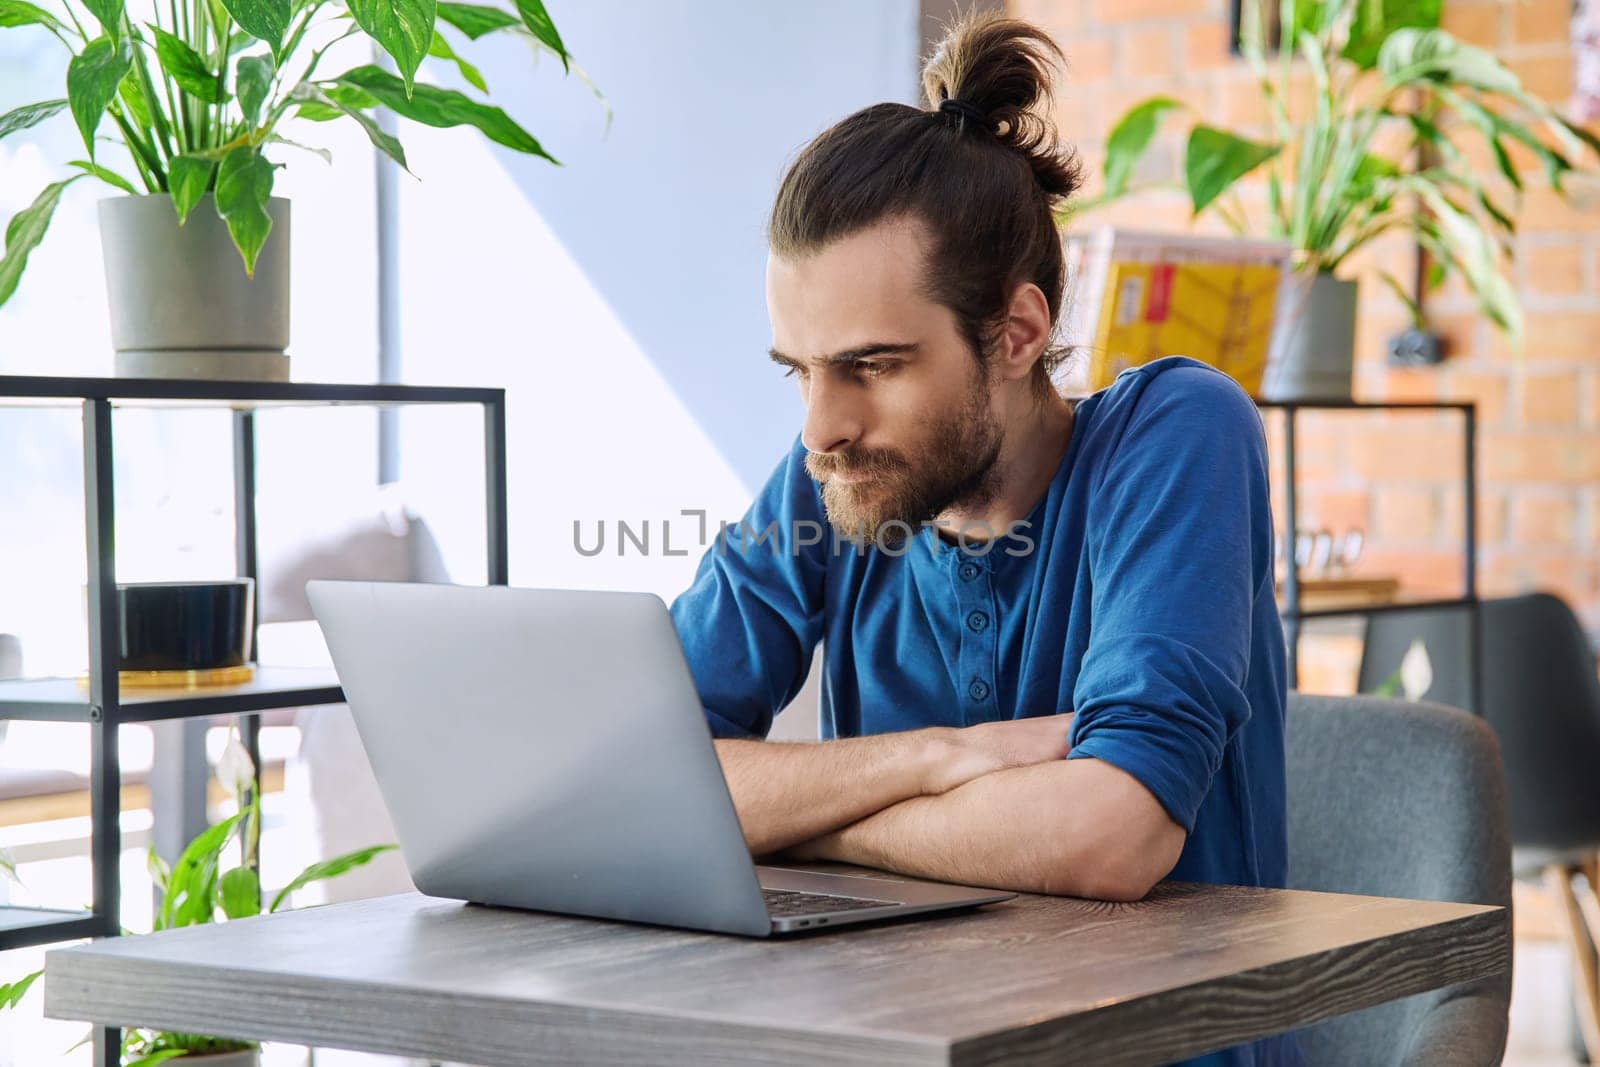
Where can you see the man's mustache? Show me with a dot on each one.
(821, 466)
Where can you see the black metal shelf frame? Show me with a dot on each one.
(103, 706)
(1295, 614)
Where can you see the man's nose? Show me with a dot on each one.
(833, 419)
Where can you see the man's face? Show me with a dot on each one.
(899, 419)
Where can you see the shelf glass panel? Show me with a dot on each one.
(67, 699)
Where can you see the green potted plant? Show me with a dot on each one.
(197, 251)
(196, 890)
(1382, 73)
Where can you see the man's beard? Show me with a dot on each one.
(955, 465)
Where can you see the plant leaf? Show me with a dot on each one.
(539, 23)
(475, 20)
(1130, 138)
(244, 185)
(108, 13)
(8, 866)
(322, 153)
(318, 872)
(313, 97)
(403, 28)
(186, 887)
(29, 115)
(22, 13)
(1410, 55)
(92, 79)
(11, 994)
(188, 178)
(24, 232)
(105, 174)
(1216, 159)
(185, 67)
(252, 80)
(1376, 20)
(133, 100)
(265, 20)
(241, 893)
(442, 108)
(160, 872)
(440, 49)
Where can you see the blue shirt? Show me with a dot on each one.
(1139, 594)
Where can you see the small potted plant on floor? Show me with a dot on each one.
(197, 252)
(196, 890)
(1382, 73)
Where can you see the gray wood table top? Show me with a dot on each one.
(1189, 969)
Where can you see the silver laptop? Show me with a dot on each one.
(546, 749)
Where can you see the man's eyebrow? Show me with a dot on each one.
(849, 355)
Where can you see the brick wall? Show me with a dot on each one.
(1396, 477)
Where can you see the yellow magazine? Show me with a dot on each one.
(1217, 313)
(1138, 296)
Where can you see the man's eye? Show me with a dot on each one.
(869, 368)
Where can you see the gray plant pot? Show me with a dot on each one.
(1312, 354)
(181, 303)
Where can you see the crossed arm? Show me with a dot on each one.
(994, 805)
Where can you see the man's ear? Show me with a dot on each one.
(1025, 333)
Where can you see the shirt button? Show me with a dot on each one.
(977, 622)
(978, 690)
(969, 571)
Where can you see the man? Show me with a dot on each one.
(1052, 656)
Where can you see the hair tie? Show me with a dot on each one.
(971, 112)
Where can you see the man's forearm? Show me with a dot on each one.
(1071, 827)
(787, 792)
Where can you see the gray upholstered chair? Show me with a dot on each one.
(1541, 695)
(1388, 798)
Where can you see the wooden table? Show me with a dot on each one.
(1189, 969)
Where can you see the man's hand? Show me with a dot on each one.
(973, 751)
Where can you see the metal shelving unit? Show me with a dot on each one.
(101, 704)
(1293, 611)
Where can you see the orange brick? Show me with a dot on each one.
(1538, 21)
(1336, 510)
(1398, 452)
(1205, 45)
(1106, 11)
(1492, 507)
(1462, 334)
(1089, 59)
(1473, 23)
(1591, 398)
(1532, 456)
(1330, 663)
(1547, 77)
(1543, 519)
(1411, 383)
(1374, 328)
(1405, 516)
(1487, 390)
(1570, 575)
(1421, 571)
(1149, 51)
(1546, 211)
(1549, 398)
(1553, 269)
(1554, 335)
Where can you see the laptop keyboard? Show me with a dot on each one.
(783, 903)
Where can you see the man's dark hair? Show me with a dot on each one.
(983, 175)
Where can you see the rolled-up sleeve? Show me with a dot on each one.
(1179, 538)
(753, 616)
